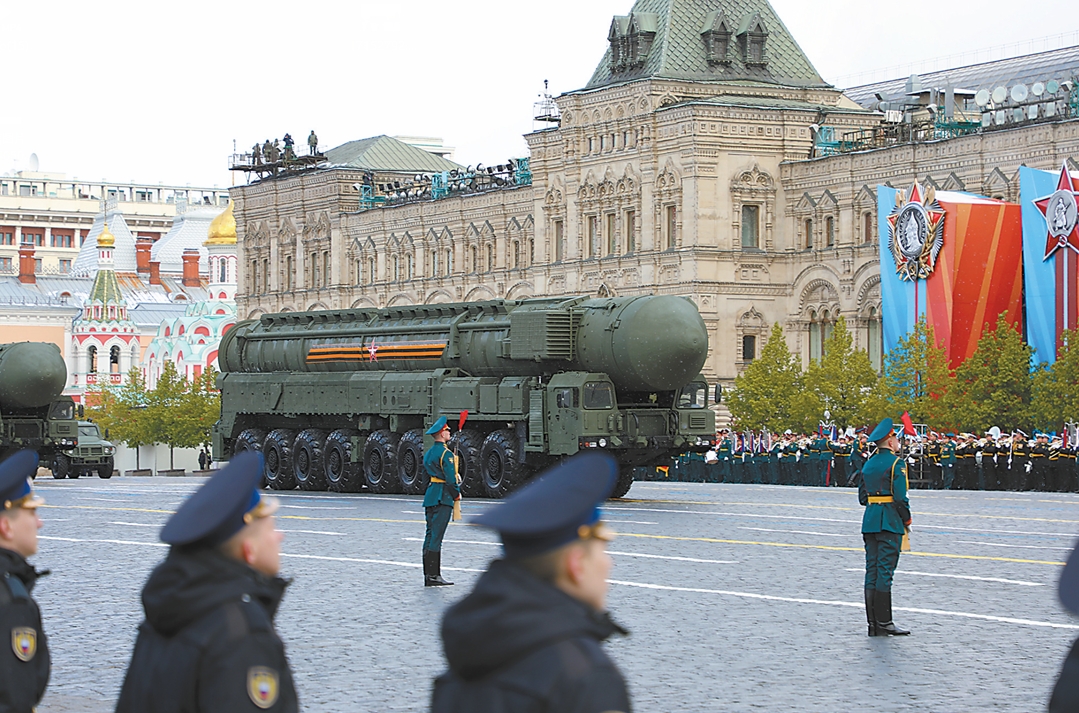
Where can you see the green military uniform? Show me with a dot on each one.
(723, 452)
(820, 455)
(947, 462)
(442, 491)
(883, 492)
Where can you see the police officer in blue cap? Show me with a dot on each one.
(1065, 698)
(24, 662)
(883, 492)
(442, 491)
(208, 643)
(527, 638)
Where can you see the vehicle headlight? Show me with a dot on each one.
(109, 450)
(603, 443)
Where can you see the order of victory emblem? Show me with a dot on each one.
(917, 233)
(24, 642)
(262, 686)
(1061, 215)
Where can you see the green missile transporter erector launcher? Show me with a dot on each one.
(33, 412)
(339, 399)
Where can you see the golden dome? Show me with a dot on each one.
(222, 229)
(105, 239)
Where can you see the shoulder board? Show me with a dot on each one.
(15, 586)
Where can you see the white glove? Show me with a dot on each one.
(1029, 466)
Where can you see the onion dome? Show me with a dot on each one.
(223, 229)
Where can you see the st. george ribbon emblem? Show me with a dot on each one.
(917, 232)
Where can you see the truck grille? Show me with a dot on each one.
(26, 430)
(698, 420)
(96, 450)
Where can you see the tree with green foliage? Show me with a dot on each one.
(839, 382)
(916, 378)
(119, 412)
(762, 394)
(203, 403)
(1054, 397)
(993, 386)
(169, 417)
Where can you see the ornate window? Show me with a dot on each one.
(808, 233)
(92, 354)
(753, 192)
(631, 37)
(749, 348)
(114, 360)
(829, 231)
(716, 36)
(752, 35)
(749, 334)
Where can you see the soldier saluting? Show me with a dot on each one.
(208, 643)
(527, 638)
(883, 492)
(442, 492)
(24, 664)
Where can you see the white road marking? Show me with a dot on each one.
(616, 521)
(961, 576)
(312, 532)
(611, 552)
(1023, 547)
(110, 500)
(853, 605)
(314, 507)
(800, 532)
(374, 561)
(135, 524)
(107, 542)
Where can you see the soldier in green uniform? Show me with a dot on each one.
(724, 453)
(442, 492)
(819, 457)
(883, 492)
(947, 460)
(775, 459)
(841, 453)
(858, 456)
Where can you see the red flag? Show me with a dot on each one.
(464, 417)
(908, 425)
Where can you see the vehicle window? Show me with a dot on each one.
(89, 431)
(694, 396)
(598, 394)
(566, 398)
(62, 411)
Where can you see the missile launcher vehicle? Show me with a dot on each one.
(340, 399)
(33, 412)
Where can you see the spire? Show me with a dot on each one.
(703, 40)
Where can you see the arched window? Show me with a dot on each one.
(434, 263)
(359, 272)
(474, 251)
(396, 269)
(449, 261)
(114, 360)
(829, 231)
(92, 354)
(516, 254)
(814, 336)
(223, 267)
(371, 270)
(809, 233)
(868, 220)
(408, 266)
(875, 341)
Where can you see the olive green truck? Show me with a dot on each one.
(339, 399)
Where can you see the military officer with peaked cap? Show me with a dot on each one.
(527, 638)
(208, 641)
(442, 491)
(1065, 697)
(24, 660)
(883, 492)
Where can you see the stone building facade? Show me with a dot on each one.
(685, 166)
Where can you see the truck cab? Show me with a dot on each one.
(93, 453)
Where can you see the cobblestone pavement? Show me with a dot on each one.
(739, 597)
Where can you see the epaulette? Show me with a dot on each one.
(13, 589)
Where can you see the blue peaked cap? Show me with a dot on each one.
(439, 425)
(218, 510)
(15, 474)
(882, 431)
(551, 510)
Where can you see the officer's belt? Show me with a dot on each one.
(437, 480)
(879, 499)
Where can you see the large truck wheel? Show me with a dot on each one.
(104, 471)
(412, 475)
(277, 449)
(61, 466)
(250, 439)
(341, 474)
(74, 472)
(624, 482)
(467, 444)
(501, 471)
(307, 459)
(380, 462)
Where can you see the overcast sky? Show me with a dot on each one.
(157, 92)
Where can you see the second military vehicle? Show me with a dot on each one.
(33, 412)
(340, 399)
(93, 453)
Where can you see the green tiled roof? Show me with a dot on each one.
(769, 103)
(678, 51)
(106, 289)
(385, 153)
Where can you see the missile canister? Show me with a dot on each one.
(647, 343)
(32, 374)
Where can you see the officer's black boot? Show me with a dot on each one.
(869, 615)
(883, 607)
(433, 570)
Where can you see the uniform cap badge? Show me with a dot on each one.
(24, 642)
(262, 686)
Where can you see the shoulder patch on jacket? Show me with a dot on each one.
(262, 686)
(24, 642)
